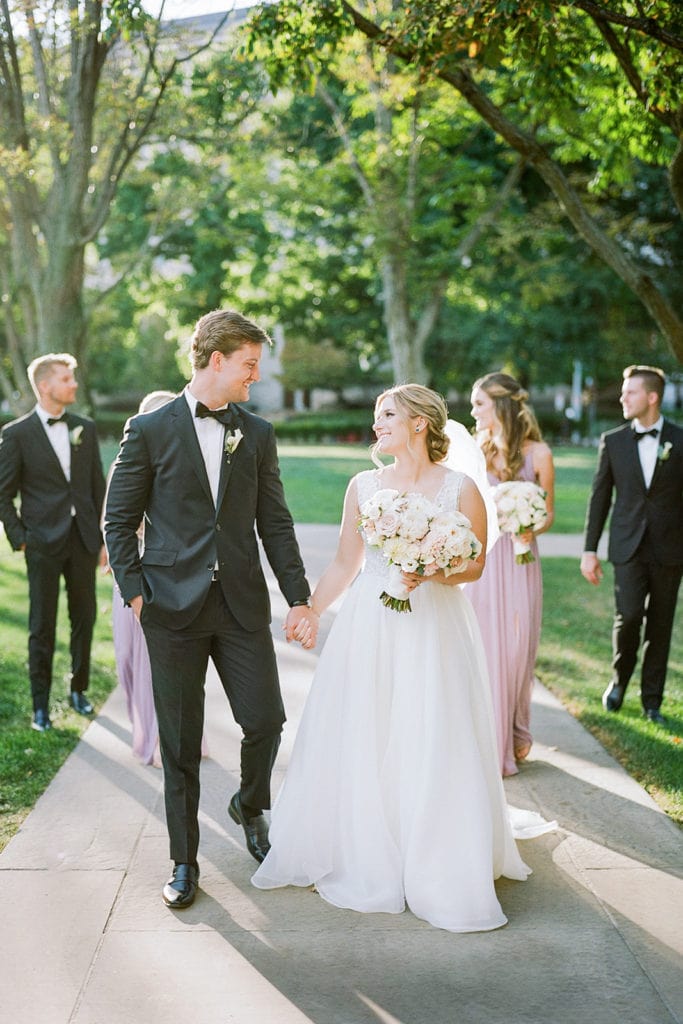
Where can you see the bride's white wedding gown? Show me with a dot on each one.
(393, 793)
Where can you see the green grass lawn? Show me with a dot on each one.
(574, 662)
(574, 469)
(573, 659)
(29, 760)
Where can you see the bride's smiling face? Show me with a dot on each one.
(391, 428)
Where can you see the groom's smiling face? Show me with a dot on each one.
(238, 371)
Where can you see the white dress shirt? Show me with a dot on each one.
(58, 436)
(648, 448)
(211, 437)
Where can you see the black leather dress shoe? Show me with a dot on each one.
(80, 703)
(655, 715)
(181, 888)
(41, 721)
(613, 697)
(255, 829)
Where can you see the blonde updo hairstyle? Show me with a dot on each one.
(517, 421)
(414, 400)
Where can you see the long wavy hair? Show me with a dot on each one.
(416, 400)
(517, 421)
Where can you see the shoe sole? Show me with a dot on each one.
(178, 906)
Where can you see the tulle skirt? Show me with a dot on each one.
(393, 794)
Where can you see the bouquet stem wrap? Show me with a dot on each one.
(396, 595)
(522, 551)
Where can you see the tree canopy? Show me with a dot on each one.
(585, 93)
(81, 85)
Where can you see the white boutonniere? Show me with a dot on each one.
(76, 436)
(664, 451)
(231, 441)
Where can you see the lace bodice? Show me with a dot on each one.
(367, 483)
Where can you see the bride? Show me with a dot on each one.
(393, 794)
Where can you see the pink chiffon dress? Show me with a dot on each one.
(508, 601)
(135, 679)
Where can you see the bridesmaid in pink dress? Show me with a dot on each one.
(508, 597)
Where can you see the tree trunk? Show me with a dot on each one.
(407, 356)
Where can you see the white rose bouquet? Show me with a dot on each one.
(521, 506)
(414, 535)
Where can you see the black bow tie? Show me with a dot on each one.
(223, 416)
(645, 433)
(56, 419)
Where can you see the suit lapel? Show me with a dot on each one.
(630, 447)
(227, 461)
(42, 441)
(183, 428)
(663, 438)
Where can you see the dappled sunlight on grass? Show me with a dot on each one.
(558, 660)
(572, 459)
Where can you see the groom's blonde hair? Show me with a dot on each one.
(414, 400)
(225, 331)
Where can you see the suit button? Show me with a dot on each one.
(218, 527)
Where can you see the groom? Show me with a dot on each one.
(642, 463)
(204, 475)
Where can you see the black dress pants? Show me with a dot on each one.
(78, 566)
(645, 591)
(245, 662)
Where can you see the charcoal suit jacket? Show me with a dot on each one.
(619, 485)
(159, 476)
(30, 469)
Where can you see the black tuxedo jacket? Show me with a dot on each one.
(637, 509)
(159, 474)
(30, 469)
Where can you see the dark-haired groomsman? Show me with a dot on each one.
(640, 465)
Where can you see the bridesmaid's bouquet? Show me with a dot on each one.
(415, 535)
(521, 506)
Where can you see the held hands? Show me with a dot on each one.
(591, 569)
(301, 625)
